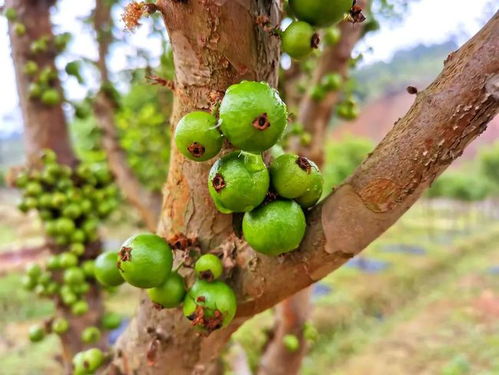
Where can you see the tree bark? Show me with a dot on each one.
(147, 203)
(45, 128)
(216, 44)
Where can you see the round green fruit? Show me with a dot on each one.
(10, 14)
(90, 335)
(313, 193)
(320, 12)
(79, 308)
(106, 269)
(209, 267)
(88, 268)
(33, 188)
(331, 82)
(30, 68)
(145, 260)
(238, 182)
(252, 116)
(293, 175)
(169, 294)
(36, 333)
(74, 276)
(291, 343)
(50, 97)
(71, 211)
(210, 305)
(299, 40)
(332, 35)
(275, 228)
(77, 248)
(347, 111)
(111, 321)
(68, 297)
(65, 226)
(35, 90)
(93, 359)
(28, 282)
(60, 326)
(54, 262)
(197, 136)
(34, 270)
(67, 260)
(19, 29)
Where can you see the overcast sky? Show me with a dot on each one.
(426, 21)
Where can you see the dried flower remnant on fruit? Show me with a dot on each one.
(261, 122)
(206, 276)
(315, 41)
(218, 182)
(355, 14)
(209, 324)
(126, 254)
(196, 149)
(134, 11)
(304, 164)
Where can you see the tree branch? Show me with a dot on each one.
(147, 203)
(444, 119)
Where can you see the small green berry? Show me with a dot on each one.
(209, 267)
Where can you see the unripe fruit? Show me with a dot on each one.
(19, 29)
(79, 308)
(60, 326)
(238, 182)
(74, 276)
(58, 199)
(33, 270)
(68, 297)
(106, 269)
(65, 226)
(78, 236)
(33, 188)
(111, 321)
(38, 46)
(332, 35)
(10, 14)
(197, 137)
(44, 214)
(313, 193)
(347, 111)
(45, 278)
(36, 333)
(67, 260)
(275, 228)
(30, 68)
(90, 335)
(93, 359)
(72, 211)
(209, 267)
(61, 41)
(318, 93)
(320, 12)
(145, 260)
(54, 262)
(30, 202)
(22, 179)
(77, 248)
(28, 282)
(331, 82)
(61, 240)
(210, 305)
(292, 175)
(291, 343)
(252, 116)
(299, 39)
(50, 97)
(88, 268)
(170, 293)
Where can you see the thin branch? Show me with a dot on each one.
(146, 202)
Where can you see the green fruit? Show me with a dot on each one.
(210, 305)
(106, 270)
(38, 46)
(28, 283)
(93, 359)
(292, 175)
(313, 193)
(145, 260)
(52, 288)
(45, 200)
(79, 308)
(49, 157)
(33, 188)
(74, 276)
(58, 199)
(50, 97)
(19, 29)
(30, 202)
(10, 14)
(291, 343)
(30, 68)
(88, 268)
(36, 333)
(275, 228)
(111, 320)
(22, 179)
(85, 206)
(170, 293)
(60, 326)
(197, 136)
(320, 12)
(81, 288)
(332, 35)
(61, 240)
(90, 226)
(78, 236)
(22, 206)
(318, 93)
(90, 335)
(65, 226)
(80, 368)
(77, 248)
(45, 278)
(61, 41)
(34, 270)
(73, 69)
(299, 40)
(331, 82)
(68, 297)
(252, 116)
(54, 262)
(238, 182)
(67, 260)
(209, 267)
(72, 211)
(347, 111)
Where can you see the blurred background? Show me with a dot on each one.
(423, 299)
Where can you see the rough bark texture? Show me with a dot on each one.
(147, 203)
(215, 44)
(45, 127)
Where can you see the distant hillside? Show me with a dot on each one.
(416, 66)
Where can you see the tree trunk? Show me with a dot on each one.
(215, 44)
(45, 128)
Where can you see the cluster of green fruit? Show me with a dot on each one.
(42, 80)
(145, 261)
(300, 37)
(253, 118)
